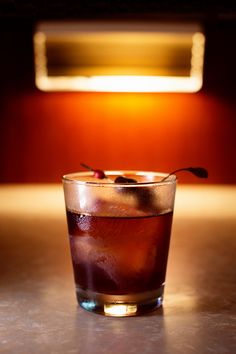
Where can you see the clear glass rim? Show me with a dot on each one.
(70, 178)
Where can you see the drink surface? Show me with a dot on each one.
(119, 255)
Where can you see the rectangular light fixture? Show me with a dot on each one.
(119, 57)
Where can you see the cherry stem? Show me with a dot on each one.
(87, 167)
(197, 171)
(175, 171)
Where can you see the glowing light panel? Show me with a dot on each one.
(119, 57)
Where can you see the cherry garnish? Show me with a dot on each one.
(97, 173)
(121, 179)
(200, 172)
(144, 196)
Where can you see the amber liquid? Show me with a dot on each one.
(119, 255)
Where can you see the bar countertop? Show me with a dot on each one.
(38, 309)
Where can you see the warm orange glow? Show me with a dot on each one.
(158, 132)
(119, 58)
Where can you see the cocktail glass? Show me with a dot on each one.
(119, 237)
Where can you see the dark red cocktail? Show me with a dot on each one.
(120, 248)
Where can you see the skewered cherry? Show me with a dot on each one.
(97, 173)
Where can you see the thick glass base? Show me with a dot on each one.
(120, 305)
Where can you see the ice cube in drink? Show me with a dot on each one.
(119, 255)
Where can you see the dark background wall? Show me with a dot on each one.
(44, 135)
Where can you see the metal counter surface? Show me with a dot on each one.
(38, 309)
